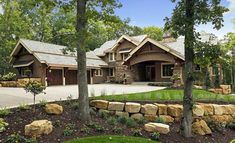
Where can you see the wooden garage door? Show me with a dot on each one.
(71, 77)
(55, 77)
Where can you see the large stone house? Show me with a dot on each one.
(125, 60)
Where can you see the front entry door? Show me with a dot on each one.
(150, 73)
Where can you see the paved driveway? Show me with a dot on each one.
(16, 96)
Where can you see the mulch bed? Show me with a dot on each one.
(18, 119)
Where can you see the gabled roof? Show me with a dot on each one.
(109, 45)
(53, 55)
(158, 44)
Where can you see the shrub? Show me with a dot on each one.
(75, 105)
(112, 121)
(155, 136)
(3, 125)
(85, 130)
(9, 77)
(117, 130)
(159, 120)
(42, 103)
(99, 128)
(217, 78)
(35, 88)
(216, 126)
(24, 107)
(122, 120)
(69, 129)
(91, 125)
(231, 126)
(93, 111)
(103, 114)
(130, 122)
(57, 124)
(4, 112)
(16, 138)
(137, 132)
(141, 121)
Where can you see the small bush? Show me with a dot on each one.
(42, 103)
(103, 114)
(122, 120)
(57, 124)
(85, 130)
(112, 121)
(130, 122)
(4, 112)
(117, 130)
(16, 138)
(75, 105)
(9, 77)
(99, 128)
(141, 121)
(216, 126)
(231, 126)
(91, 125)
(159, 120)
(93, 111)
(69, 129)
(24, 107)
(3, 125)
(137, 132)
(155, 136)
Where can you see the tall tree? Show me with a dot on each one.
(186, 15)
(153, 32)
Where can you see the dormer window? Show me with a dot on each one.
(112, 57)
(124, 56)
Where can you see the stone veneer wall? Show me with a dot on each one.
(168, 112)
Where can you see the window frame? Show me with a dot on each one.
(164, 64)
(112, 57)
(113, 71)
(98, 72)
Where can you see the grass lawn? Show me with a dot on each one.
(169, 95)
(111, 139)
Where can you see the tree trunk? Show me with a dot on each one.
(84, 113)
(188, 84)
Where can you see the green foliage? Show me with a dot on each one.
(3, 125)
(216, 126)
(8, 77)
(117, 130)
(24, 107)
(85, 130)
(207, 80)
(34, 87)
(112, 121)
(75, 105)
(69, 129)
(103, 114)
(91, 125)
(122, 120)
(56, 124)
(136, 132)
(217, 77)
(17, 138)
(159, 120)
(130, 122)
(141, 121)
(4, 112)
(99, 128)
(153, 32)
(231, 126)
(42, 103)
(155, 136)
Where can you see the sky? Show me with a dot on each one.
(152, 12)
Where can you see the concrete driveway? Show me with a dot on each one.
(15, 96)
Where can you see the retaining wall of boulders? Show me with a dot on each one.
(168, 112)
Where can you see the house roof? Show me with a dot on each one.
(53, 55)
(109, 45)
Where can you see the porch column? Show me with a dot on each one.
(63, 76)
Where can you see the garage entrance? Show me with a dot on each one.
(55, 77)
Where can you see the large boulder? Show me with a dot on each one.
(198, 111)
(157, 127)
(175, 110)
(132, 107)
(137, 116)
(54, 109)
(149, 109)
(116, 106)
(222, 118)
(38, 128)
(223, 109)
(201, 128)
(208, 109)
(162, 109)
(122, 114)
(166, 118)
(101, 104)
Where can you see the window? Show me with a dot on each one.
(111, 72)
(167, 70)
(25, 72)
(197, 68)
(124, 56)
(112, 56)
(98, 72)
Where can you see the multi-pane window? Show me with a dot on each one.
(111, 72)
(112, 56)
(167, 70)
(99, 72)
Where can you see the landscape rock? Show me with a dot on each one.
(198, 111)
(149, 109)
(223, 109)
(137, 116)
(54, 109)
(132, 107)
(162, 109)
(175, 110)
(222, 118)
(208, 109)
(201, 128)
(122, 114)
(101, 104)
(157, 127)
(116, 106)
(167, 119)
(38, 128)
(150, 117)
